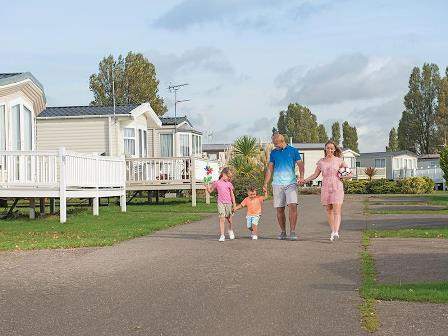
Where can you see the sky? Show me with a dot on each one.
(244, 60)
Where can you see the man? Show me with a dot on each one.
(282, 165)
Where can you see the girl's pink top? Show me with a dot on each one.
(332, 191)
(224, 190)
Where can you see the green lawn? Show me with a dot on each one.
(435, 292)
(410, 211)
(410, 233)
(83, 229)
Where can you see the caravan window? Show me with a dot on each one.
(184, 145)
(2, 128)
(27, 129)
(380, 163)
(166, 145)
(129, 141)
(15, 122)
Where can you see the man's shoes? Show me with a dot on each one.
(282, 236)
(292, 236)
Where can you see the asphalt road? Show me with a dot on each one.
(182, 281)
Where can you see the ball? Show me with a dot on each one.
(344, 172)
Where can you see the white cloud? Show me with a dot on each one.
(346, 78)
(251, 14)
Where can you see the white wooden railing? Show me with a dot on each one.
(175, 170)
(361, 174)
(53, 168)
(435, 173)
(403, 173)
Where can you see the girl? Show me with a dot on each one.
(332, 192)
(226, 201)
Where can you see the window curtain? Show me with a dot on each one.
(166, 145)
(129, 141)
(15, 122)
(2, 128)
(184, 145)
(28, 129)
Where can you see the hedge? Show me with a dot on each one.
(410, 185)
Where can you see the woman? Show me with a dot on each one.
(332, 192)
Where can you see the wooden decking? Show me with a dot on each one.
(61, 174)
(159, 174)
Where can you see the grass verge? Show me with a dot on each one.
(83, 229)
(369, 317)
(370, 291)
(409, 233)
(410, 211)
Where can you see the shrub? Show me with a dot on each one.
(242, 182)
(430, 185)
(309, 191)
(382, 186)
(416, 185)
(355, 186)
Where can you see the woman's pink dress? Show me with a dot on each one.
(332, 191)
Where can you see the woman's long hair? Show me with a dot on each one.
(225, 170)
(337, 150)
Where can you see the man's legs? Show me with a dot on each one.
(292, 216)
(281, 218)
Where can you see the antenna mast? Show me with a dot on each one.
(174, 88)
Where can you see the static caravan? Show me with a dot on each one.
(390, 165)
(103, 130)
(26, 172)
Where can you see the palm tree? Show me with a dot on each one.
(370, 172)
(246, 146)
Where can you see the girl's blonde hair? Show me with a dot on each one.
(225, 170)
(337, 150)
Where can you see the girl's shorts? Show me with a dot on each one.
(225, 210)
(252, 220)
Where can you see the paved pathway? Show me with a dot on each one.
(183, 282)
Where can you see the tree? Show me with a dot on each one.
(417, 128)
(135, 82)
(336, 133)
(393, 141)
(298, 123)
(444, 162)
(246, 146)
(407, 138)
(442, 110)
(370, 172)
(322, 134)
(350, 137)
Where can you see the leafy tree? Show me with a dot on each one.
(322, 134)
(134, 79)
(298, 123)
(336, 132)
(418, 129)
(444, 162)
(393, 140)
(407, 138)
(442, 111)
(350, 136)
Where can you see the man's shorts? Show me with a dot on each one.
(225, 210)
(252, 220)
(284, 195)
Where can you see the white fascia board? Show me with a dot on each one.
(146, 108)
(86, 116)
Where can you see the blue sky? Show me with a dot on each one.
(244, 60)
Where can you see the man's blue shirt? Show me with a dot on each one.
(284, 161)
